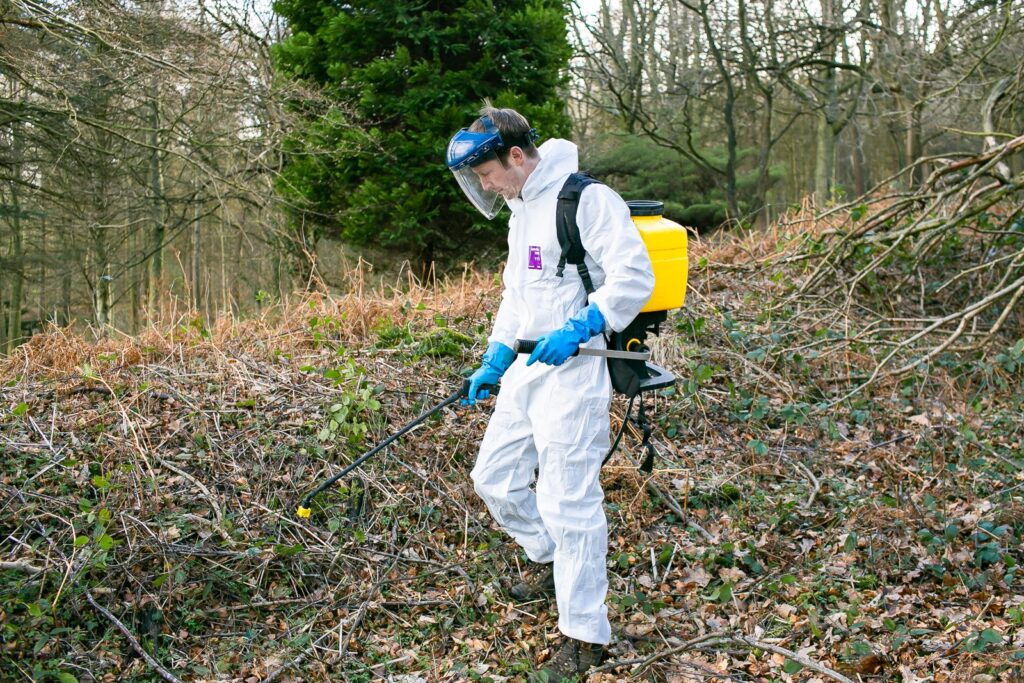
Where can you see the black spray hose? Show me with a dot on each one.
(622, 429)
(304, 509)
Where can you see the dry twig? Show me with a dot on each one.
(133, 641)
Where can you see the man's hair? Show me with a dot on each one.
(514, 129)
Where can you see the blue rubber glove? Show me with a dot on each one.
(497, 360)
(556, 347)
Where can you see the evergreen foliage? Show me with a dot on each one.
(406, 76)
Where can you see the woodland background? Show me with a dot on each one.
(142, 143)
(256, 267)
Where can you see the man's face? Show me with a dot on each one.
(507, 180)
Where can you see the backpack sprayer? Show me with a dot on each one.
(666, 244)
(628, 355)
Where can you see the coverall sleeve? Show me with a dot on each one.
(612, 240)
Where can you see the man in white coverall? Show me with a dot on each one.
(552, 413)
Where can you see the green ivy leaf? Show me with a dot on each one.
(990, 636)
(288, 550)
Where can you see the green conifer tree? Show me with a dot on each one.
(407, 74)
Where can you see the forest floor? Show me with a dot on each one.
(148, 489)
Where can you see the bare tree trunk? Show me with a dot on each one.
(226, 292)
(857, 163)
(235, 287)
(751, 62)
(998, 91)
(727, 108)
(14, 336)
(41, 301)
(17, 252)
(763, 216)
(824, 159)
(101, 295)
(3, 310)
(631, 87)
(156, 179)
(134, 299)
(196, 260)
(915, 176)
(278, 285)
(65, 298)
(102, 301)
(825, 143)
(136, 277)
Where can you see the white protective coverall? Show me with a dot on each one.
(556, 418)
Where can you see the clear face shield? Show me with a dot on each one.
(468, 149)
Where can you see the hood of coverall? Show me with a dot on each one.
(558, 158)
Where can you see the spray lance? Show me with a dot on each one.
(521, 346)
(305, 510)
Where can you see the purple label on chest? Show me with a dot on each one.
(535, 262)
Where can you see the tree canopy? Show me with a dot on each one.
(405, 76)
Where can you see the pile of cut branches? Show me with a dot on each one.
(933, 272)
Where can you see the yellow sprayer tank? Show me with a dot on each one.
(666, 245)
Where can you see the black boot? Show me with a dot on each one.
(538, 582)
(574, 658)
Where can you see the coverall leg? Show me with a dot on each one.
(554, 418)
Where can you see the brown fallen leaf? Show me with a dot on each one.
(870, 665)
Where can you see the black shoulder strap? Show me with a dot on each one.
(568, 230)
